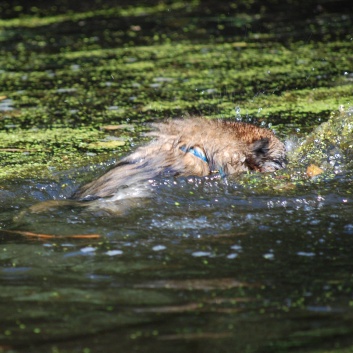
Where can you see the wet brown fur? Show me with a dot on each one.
(228, 147)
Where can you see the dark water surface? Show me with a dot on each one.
(205, 265)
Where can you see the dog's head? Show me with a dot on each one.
(267, 155)
(199, 147)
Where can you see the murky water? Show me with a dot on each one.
(205, 264)
(242, 264)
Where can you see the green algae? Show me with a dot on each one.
(129, 11)
(75, 82)
(336, 135)
(42, 153)
(197, 82)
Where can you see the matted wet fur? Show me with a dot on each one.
(192, 146)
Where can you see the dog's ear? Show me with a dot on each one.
(260, 149)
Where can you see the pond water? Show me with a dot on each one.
(205, 264)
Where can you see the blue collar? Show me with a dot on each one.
(195, 152)
(202, 156)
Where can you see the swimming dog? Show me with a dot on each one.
(192, 146)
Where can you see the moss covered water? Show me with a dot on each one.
(256, 263)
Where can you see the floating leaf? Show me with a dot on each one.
(106, 144)
(118, 127)
(52, 236)
(313, 170)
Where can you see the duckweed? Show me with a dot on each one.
(67, 83)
